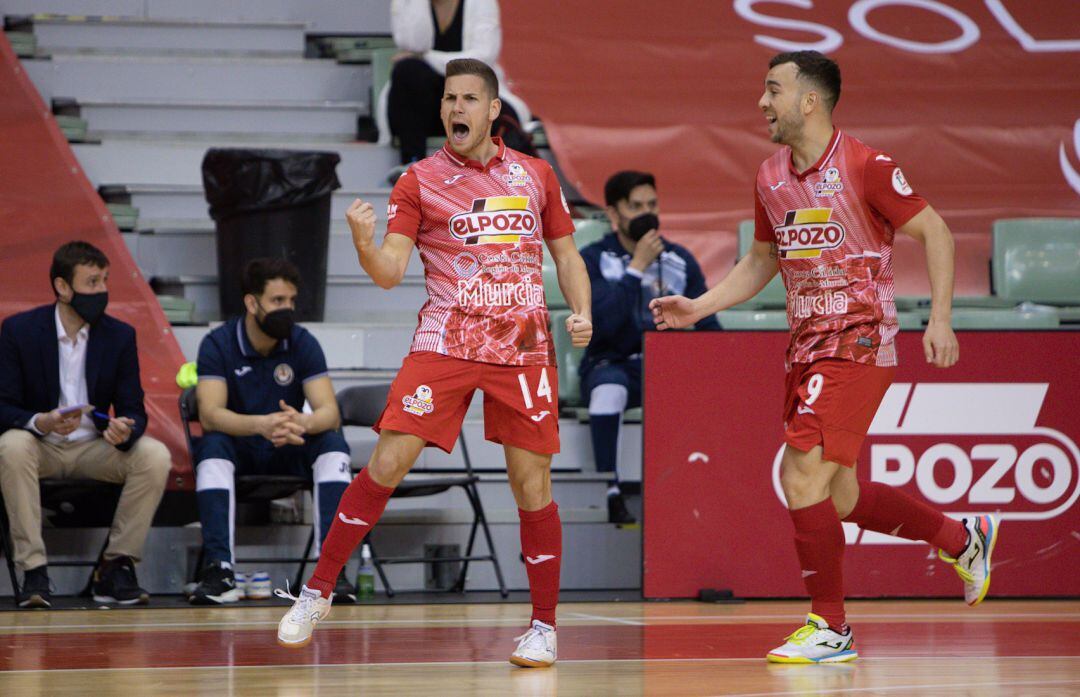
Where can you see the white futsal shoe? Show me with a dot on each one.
(973, 564)
(295, 628)
(814, 642)
(536, 648)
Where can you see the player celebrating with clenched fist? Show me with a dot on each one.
(481, 215)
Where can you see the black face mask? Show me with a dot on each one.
(89, 306)
(277, 324)
(641, 225)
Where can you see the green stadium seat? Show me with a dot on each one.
(567, 359)
(587, 232)
(909, 320)
(1046, 318)
(753, 320)
(1037, 260)
(773, 295)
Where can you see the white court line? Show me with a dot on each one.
(435, 664)
(601, 618)
(894, 688)
(643, 621)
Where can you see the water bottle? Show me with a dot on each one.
(365, 575)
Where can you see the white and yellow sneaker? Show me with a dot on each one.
(296, 627)
(814, 642)
(973, 564)
(536, 648)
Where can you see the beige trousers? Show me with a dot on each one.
(24, 459)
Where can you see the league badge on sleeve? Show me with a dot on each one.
(899, 183)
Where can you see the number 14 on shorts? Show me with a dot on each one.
(543, 389)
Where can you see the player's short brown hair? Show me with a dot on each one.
(816, 68)
(471, 66)
(259, 272)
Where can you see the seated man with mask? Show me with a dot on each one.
(255, 372)
(628, 268)
(71, 407)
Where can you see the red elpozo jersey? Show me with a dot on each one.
(480, 231)
(833, 226)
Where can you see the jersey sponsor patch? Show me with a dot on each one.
(518, 176)
(807, 232)
(830, 186)
(420, 402)
(498, 219)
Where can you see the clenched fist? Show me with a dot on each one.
(580, 330)
(361, 218)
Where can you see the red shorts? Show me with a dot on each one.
(832, 402)
(432, 392)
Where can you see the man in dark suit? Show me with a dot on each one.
(62, 367)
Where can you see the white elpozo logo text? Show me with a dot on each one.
(970, 448)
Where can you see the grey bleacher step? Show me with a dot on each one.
(375, 342)
(169, 248)
(347, 298)
(188, 200)
(572, 490)
(399, 514)
(333, 121)
(179, 161)
(129, 78)
(575, 454)
(321, 16)
(140, 35)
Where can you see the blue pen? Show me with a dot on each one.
(99, 415)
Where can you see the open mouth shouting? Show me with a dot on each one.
(459, 132)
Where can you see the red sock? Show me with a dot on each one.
(363, 500)
(541, 543)
(819, 541)
(882, 508)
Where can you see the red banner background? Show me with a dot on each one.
(1005, 416)
(983, 125)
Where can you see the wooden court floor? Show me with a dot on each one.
(676, 648)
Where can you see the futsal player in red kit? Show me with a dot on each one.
(480, 215)
(826, 210)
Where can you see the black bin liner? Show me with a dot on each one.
(271, 203)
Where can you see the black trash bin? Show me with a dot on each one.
(271, 203)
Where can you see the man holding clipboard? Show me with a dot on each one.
(63, 367)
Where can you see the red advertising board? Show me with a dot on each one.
(998, 432)
(978, 100)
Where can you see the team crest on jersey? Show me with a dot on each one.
(283, 374)
(493, 220)
(830, 185)
(807, 232)
(517, 176)
(419, 402)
